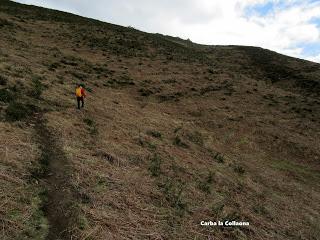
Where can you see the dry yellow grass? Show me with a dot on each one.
(19, 194)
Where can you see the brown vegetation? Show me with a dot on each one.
(172, 133)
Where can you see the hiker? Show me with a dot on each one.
(81, 94)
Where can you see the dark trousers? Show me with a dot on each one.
(80, 99)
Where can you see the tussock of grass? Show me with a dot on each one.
(205, 185)
(155, 165)
(6, 95)
(178, 142)
(196, 137)
(3, 80)
(37, 87)
(173, 191)
(18, 111)
(5, 23)
(218, 157)
(89, 122)
(93, 129)
(239, 169)
(145, 92)
(146, 142)
(154, 134)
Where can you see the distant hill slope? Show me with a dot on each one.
(173, 133)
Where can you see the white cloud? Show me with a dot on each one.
(314, 58)
(284, 29)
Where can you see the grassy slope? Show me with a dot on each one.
(173, 133)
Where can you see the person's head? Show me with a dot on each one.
(78, 85)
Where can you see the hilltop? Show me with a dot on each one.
(173, 133)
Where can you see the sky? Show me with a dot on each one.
(290, 27)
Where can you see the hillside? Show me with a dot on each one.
(172, 134)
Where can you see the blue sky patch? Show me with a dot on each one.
(260, 9)
(310, 49)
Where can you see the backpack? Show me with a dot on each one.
(78, 92)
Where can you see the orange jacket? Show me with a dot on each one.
(83, 92)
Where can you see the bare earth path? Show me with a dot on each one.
(59, 205)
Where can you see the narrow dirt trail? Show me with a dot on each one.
(59, 202)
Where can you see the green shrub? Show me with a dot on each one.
(37, 87)
(219, 157)
(54, 66)
(92, 126)
(151, 146)
(260, 209)
(94, 130)
(83, 222)
(173, 191)
(205, 185)
(4, 22)
(196, 138)
(18, 111)
(216, 156)
(154, 134)
(178, 142)
(239, 169)
(3, 80)
(6, 95)
(155, 165)
(177, 129)
(14, 88)
(210, 70)
(88, 121)
(89, 90)
(146, 143)
(217, 209)
(145, 92)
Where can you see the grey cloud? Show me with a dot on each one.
(146, 15)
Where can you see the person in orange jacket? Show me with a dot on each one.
(80, 94)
